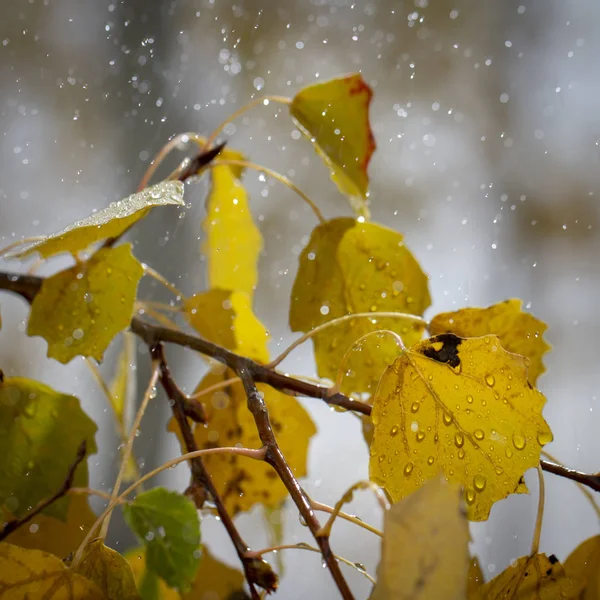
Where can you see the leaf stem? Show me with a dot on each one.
(337, 321)
(17, 243)
(275, 175)
(342, 515)
(537, 532)
(162, 280)
(265, 100)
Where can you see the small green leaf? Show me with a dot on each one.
(168, 524)
(80, 310)
(109, 222)
(40, 433)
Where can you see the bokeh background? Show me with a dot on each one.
(486, 120)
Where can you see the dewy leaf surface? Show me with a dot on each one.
(232, 242)
(40, 433)
(214, 579)
(463, 407)
(351, 267)
(36, 575)
(111, 221)
(583, 569)
(536, 577)
(424, 551)
(109, 571)
(519, 332)
(335, 116)
(168, 525)
(80, 310)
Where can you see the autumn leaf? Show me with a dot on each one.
(226, 318)
(463, 407)
(80, 310)
(536, 577)
(57, 536)
(214, 580)
(37, 447)
(334, 115)
(583, 569)
(168, 525)
(519, 332)
(37, 575)
(108, 570)
(350, 267)
(232, 242)
(109, 222)
(476, 579)
(425, 546)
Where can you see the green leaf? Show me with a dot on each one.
(168, 525)
(335, 116)
(109, 222)
(40, 433)
(80, 310)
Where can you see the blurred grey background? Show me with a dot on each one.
(485, 116)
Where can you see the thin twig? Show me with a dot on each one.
(316, 505)
(14, 524)
(257, 571)
(258, 408)
(537, 531)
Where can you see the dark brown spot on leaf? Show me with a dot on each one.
(448, 353)
(553, 560)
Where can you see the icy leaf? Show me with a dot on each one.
(334, 115)
(475, 580)
(350, 267)
(37, 575)
(463, 407)
(168, 525)
(109, 571)
(80, 310)
(243, 482)
(232, 242)
(109, 222)
(518, 331)
(226, 318)
(536, 577)
(424, 551)
(214, 580)
(583, 569)
(40, 433)
(55, 535)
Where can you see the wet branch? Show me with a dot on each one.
(14, 524)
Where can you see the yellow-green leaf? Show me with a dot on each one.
(536, 577)
(55, 535)
(37, 575)
(40, 433)
(518, 331)
(109, 571)
(232, 242)
(226, 318)
(335, 116)
(463, 407)
(351, 267)
(424, 552)
(123, 385)
(80, 310)
(583, 569)
(214, 579)
(111, 221)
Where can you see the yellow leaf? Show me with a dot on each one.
(475, 578)
(226, 318)
(233, 242)
(350, 267)
(123, 386)
(112, 221)
(80, 310)
(463, 407)
(583, 569)
(214, 580)
(335, 116)
(37, 575)
(518, 331)
(536, 577)
(425, 546)
(53, 535)
(109, 571)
